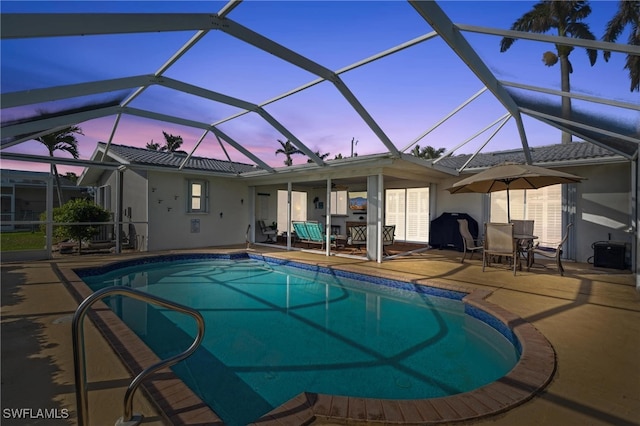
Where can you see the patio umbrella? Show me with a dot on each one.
(509, 176)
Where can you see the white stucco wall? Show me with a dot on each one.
(603, 205)
(471, 204)
(170, 226)
(135, 208)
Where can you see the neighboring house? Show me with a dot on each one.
(211, 202)
(24, 196)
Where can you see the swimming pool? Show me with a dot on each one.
(275, 330)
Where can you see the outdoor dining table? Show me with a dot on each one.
(524, 242)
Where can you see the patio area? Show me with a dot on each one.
(590, 316)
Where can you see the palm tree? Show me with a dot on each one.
(628, 14)
(153, 146)
(61, 140)
(172, 143)
(321, 156)
(288, 149)
(428, 152)
(565, 17)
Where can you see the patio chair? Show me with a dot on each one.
(388, 236)
(553, 252)
(499, 241)
(317, 234)
(311, 233)
(300, 229)
(357, 236)
(523, 227)
(469, 243)
(269, 233)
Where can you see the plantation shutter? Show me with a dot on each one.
(394, 211)
(417, 214)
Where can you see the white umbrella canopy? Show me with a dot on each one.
(512, 176)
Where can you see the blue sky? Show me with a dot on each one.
(405, 93)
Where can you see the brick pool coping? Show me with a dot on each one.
(180, 405)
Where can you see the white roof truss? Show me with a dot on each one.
(439, 21)
(41, 25)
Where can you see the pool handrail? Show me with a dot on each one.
(79, 356)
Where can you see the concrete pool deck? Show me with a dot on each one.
(590, 316)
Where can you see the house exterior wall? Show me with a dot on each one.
(172, 227)
(603, 205)
(135, 206)
(471, 204)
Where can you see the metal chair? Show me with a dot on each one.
(269, 233)
(499, 241)
(469, 243)
(388, 236)
(523, 227)
(554, 252)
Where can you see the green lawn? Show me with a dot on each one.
(11, 241)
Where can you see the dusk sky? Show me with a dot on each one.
(405, 93)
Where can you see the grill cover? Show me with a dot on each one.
(444, 232)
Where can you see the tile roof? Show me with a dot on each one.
(144, 156)
(575, 151)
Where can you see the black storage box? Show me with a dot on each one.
(609, 255)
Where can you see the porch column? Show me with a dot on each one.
(569, 201)
(374, 217)
(289, 230)
(635, 242)
(118, 209)
(327, 227)
(49, 224)
(251, 205)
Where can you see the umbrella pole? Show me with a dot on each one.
(508, 206)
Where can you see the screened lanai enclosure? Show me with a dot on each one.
(280, 108)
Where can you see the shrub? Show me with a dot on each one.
(74, 211)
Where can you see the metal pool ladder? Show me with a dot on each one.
(128, 418)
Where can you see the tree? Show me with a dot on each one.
(153, 146)
(74, 211)
(172, 143)
(321, 156)
(628, 14)
(428, 152)
(61, 140)
(288, 149)
(338, 157)
(72, 177)
(565, 17)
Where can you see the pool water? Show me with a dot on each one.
(273, 331)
